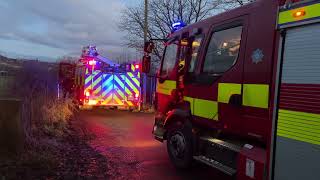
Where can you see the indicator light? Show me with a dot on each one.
(299, 13)
(177, 25)
(184, 43)
(195, 44)
(92, 62)
(137, 66)
(87, 93)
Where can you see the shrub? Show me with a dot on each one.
(56, 113)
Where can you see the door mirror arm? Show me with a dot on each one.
(162, 78)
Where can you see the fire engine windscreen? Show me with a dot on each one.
(169, 58)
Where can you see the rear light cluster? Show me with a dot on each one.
(134, 97)
(87, 93)
(92, 62)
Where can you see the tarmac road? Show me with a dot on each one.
(125, 139)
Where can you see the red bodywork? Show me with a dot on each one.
(259, 23)
(252, 124)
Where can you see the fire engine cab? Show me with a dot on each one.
(240, 91)
(100, 82)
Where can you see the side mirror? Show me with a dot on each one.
(146, 63)
(148, 47)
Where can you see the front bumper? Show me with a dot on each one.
(159, 130)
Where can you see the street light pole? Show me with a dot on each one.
(145, 20)
(145, 35)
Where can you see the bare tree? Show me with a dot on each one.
(162, 13)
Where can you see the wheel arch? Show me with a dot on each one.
(177, 115)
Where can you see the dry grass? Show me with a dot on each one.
(44, 120)
(42, 111)
(56, 113)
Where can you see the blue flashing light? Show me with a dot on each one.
(89, 51)
(177, 25)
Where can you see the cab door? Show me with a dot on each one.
(215, 77)
(166, 82)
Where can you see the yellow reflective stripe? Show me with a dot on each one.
(88, 79)
(299, 126)
(191, 101)
(203, 108)
(132, 68)
(130, 103)
(120, 93)
(117, 99)
(256, 95)
(206, 109)
(225, 90)
(107, 101)
(98, 80)
(97, 90)
(135, 80)
(166, 87)
(128, 82)
(311, 11)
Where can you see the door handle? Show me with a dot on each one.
(236, 100)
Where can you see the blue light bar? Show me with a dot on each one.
(89, 51)
(177, 25)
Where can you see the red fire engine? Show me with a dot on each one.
(97, 81)
(240, 91)
(100, 82)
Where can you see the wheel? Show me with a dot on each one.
(180, 145)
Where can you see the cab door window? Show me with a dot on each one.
(223, 50)
(195, 51)
(169, 59)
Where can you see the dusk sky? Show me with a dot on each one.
(55, 28)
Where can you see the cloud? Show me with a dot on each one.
(63, 24)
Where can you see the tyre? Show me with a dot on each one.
(180, 145)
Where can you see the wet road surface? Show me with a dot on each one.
(125, 139)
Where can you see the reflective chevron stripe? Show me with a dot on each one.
(113, 88)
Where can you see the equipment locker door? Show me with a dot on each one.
(297, 123)
(96, 84)
(107, 88)
(118, 91)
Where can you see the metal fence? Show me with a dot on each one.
(149, 87)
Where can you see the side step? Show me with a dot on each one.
(224, 144)
(215, 164)
(219, 154)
